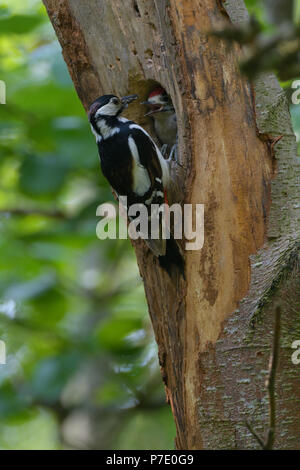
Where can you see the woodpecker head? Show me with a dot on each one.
(108, 106)
(158, 102)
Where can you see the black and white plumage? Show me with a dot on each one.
(133, 165)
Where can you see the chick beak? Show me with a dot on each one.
(154, 108)
(148, 103)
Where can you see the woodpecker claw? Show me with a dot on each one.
(164, 149)
(173, 152)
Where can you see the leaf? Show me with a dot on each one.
(19, 24)
(12, 404)
(113, 333)
(30, 289)
(4, 11)
(52, 374)
(112, 393)
(48, 100)
(42, 175)
(148, 430)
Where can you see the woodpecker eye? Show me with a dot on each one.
(115, 100)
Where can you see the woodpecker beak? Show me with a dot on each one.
(128, 99)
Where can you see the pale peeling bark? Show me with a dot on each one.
(214, 331)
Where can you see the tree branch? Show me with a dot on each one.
(271, 381)
(270, 384)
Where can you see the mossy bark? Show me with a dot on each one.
(214, 329)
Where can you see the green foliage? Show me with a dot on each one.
(272, 39)
(72, 308)
(42, 175)
(256, 10)
(18, 24)
(297, 11)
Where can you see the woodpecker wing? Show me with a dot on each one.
(147, 154)
(146, 159)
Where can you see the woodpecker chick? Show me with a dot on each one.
(134, 167)
(163, 113)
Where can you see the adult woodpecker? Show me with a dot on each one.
(163, 113)
(134, 167)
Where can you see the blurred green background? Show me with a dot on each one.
(82, 369)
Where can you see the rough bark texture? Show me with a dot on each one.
(214, 331)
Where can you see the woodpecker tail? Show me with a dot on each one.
(167, 251)
(172, 258)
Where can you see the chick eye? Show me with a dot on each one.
(115, 101)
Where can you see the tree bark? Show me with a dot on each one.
(214, 331)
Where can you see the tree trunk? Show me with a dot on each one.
(214, 331)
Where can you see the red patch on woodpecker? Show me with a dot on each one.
(157, 91)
